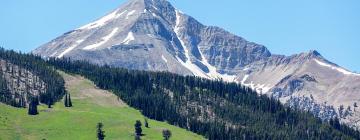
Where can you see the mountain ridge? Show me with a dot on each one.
(153, 35)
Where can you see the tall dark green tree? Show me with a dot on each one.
(138, 129)
(100, 131)
(49, 103)
(5, 95)
(146, 123)
(67, 100)
(166, 134)
(70, 102)
(33, 107)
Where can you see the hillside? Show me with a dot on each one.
(91, 105)
(215, 109)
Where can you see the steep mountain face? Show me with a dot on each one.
(153, 35)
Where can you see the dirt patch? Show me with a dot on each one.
(82, 88)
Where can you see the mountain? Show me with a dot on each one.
(153, 35)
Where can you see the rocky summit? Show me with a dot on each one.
(153, 35)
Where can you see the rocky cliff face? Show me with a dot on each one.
(153, 35)
(18, 84)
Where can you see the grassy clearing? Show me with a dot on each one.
(91, 105)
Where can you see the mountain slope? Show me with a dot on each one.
(79, 122)
(215, 109)
(153, 35)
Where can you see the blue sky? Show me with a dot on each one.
(285, 27)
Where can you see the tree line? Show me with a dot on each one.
(100, 133)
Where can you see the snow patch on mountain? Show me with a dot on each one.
(229, 78)
(154, 15)
(212, 74)
(70, 48)
(213, 71)
(155, 7)
(130, 13)
(244, 79)
(103, 20)
(130, 37)
(53, 54)
(163, 58)
(103, 41)
(187, 63)
(341, 70)
(260, 88)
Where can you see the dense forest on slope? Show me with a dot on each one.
(215, 109)
(24, 77)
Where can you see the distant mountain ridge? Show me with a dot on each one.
(153, 35)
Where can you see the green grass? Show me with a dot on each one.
(79, 122)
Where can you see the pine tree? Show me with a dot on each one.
(336, 123)
(49, 103)
(166, 134)
(66, 101)
(146, 123)
(100, 132)
(33, 107)
(138, 130)
(36, 100)
(70, 103)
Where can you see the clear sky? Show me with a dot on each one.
(284, 26)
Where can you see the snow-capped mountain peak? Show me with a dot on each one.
(153, 35)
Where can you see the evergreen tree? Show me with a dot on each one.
(70, 103)
(146, 123)
(36, 100)
(67, 100)
(138, 130)
(100, 131)
(33, 107)
(336, 124)
(49, 103)
(5, 95)
(166, 134)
